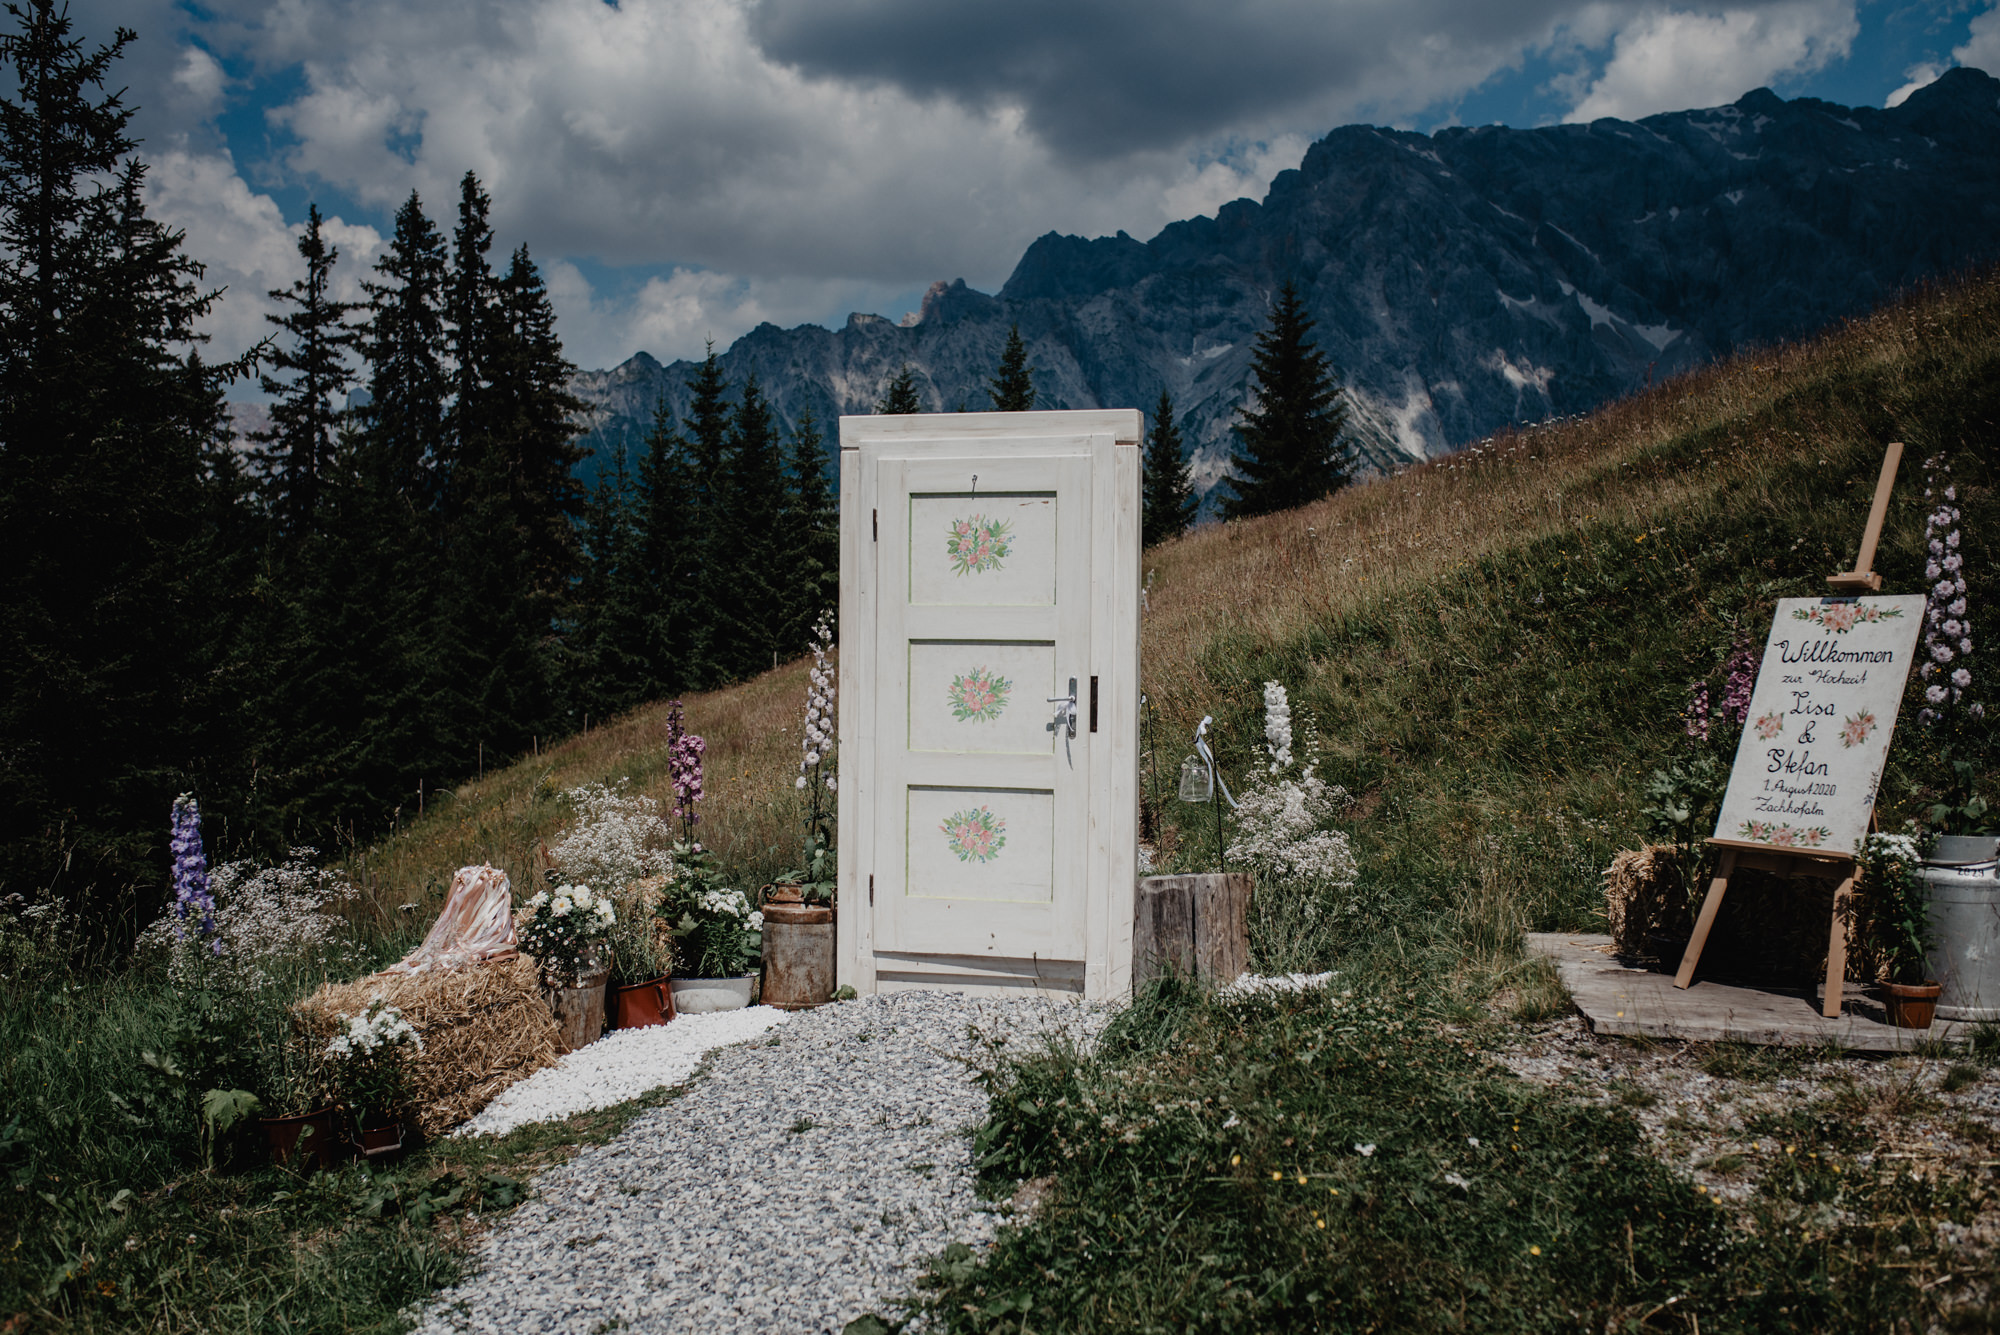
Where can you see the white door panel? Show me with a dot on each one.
(979, 580)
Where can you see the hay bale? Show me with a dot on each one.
(1645, 892)
(484, 1028)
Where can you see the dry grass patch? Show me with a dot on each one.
(750, 816)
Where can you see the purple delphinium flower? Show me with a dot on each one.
(1739, 681)
(684, 753)
(1696, 712)
(1947, 627)
(192, 898)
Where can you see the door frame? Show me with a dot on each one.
(1112, 817)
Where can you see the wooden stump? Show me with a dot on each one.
(1193, 925)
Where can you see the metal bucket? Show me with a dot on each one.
(1962, 878)
(798, 955)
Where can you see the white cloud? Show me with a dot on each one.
(245, 243)
(1672, 59)
(675, 314)
(1919, 76)
(665, 137)
(1982, 50)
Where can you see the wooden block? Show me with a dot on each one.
(1193, 925)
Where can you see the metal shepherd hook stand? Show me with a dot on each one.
(1199, 780)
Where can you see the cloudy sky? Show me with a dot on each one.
(684, 169)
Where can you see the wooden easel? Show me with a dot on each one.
(1826, 866)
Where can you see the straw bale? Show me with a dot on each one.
(484, 1028)
(1644, 892)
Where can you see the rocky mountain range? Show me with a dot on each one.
(1462, 281)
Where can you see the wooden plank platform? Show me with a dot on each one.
(1623, 999)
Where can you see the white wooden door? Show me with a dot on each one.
(981, 624)
(975, 826)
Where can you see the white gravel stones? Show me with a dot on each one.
(1251, 984)
(622, 1065)
(804, 1181)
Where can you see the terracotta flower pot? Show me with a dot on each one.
(1912, 1005)
(307, 1141)
(637, 1005)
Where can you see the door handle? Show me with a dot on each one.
(1065, 719)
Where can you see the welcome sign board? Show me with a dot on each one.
(1820, 720)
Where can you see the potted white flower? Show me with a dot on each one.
(718, 937)
(369, 1065)
(566, 930)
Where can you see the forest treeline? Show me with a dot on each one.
(368, 600)
(401, 580)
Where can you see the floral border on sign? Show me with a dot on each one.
(1855, 731)
(1843, 617)
(1781, 835)
(1769, 725)
(977, 544)
(975, 834)
(978, 696)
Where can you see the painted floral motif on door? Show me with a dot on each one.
(975, 834)
(978, 696)
(977, 544)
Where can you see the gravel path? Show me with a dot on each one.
(804, 1181)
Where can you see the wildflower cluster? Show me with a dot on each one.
(1278, 726)
(1695, 716)
(1947, 627)
(565, 929)
(1739, 681)
(684, 753)
(192, 899)
(1278, 832)
(816, 745)
(1894, 905)
(368, 1058)
(716, 931)
(1278, 824)
(617, 837)
(265, 922)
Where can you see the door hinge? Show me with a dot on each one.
(871, 890)
(1093, 704)
(875, 525)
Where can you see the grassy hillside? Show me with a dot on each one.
(1492, 651)
(1495, 647)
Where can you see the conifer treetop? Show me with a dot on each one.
(1293, 451)
(1013, 389)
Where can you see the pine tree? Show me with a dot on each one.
(1170, 503)
(812, 528)
(115, 666)
(614, 621)
(900, 396)
(710, 544)
(755, 555)
(1292, 447)
(1013, 389)
(537, 420)
(471, 299)
(309, 386)
(667, 549)
(404, 345)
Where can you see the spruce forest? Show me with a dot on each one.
(387, 590)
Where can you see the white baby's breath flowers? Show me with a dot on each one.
(269, 922)
(617, 837)
(1277, 831)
